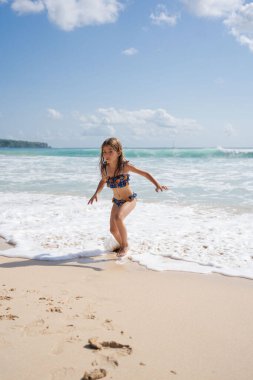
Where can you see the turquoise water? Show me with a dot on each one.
(216, 177)
(140, 152)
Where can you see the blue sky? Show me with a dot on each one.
(169, 73)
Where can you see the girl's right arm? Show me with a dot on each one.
(99, 188)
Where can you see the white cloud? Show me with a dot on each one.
(237, 15)
(130, 51)
(240, 25)
(27, 6)
(162, 16)
(212, 8)
(54, 114)
(71, 14)
(143, 122)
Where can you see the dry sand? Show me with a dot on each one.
(147, 325)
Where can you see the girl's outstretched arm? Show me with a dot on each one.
(147, 175)
(99, 188)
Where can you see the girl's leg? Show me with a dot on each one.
(119, 217)
(113, 226)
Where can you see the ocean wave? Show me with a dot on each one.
(203, 153)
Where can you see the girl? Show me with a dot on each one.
(115, 170)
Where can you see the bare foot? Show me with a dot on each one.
(122, 252)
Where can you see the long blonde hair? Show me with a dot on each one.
(116, 145)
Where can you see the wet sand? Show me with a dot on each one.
(146, 324)
(4, 244)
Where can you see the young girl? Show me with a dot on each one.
(115, 172)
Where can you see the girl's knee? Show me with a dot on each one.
(113, 228)
(118, 217)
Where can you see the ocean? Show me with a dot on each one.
(203, 223)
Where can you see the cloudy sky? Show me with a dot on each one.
(170, 73)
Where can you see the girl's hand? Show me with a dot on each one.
(161, 188)
(94, 197)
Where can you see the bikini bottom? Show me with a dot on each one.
(120, 202)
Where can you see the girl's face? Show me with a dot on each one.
(109, 154)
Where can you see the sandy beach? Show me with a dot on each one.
(146, 324)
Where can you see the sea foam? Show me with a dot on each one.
(161, 236)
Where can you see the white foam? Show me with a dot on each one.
(161, 236)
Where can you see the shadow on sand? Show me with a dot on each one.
(81, 259)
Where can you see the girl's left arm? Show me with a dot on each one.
(147, 175)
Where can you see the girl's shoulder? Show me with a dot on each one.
(128, 166)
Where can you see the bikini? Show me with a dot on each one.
(121, 180)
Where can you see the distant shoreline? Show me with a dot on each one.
(6, 143)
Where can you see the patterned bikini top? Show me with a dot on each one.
(121, 180)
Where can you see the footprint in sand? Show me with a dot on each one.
(62, 373)
(8, 317)
(34, 328)
(106, 360)
(95, 374)
(123, 349)
(5, 298)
